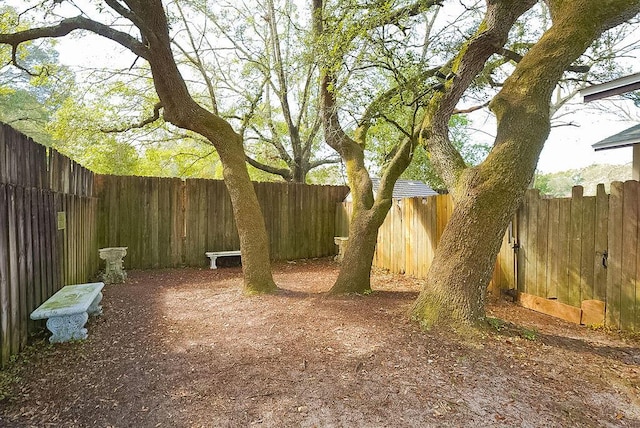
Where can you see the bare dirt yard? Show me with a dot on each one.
(185, 348)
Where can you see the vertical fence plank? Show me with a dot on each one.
(165, 217)
(553, 258)
(588, 249)
(629, 254)
(409, 238)
(564, 230)
(601, 244)
(575, 246)
(633, 323)
(531, 275)
(36, 235)
(542, 230)
(523, 237)
(14, 285)
(614, 270)
(23, 249)
(5, 327)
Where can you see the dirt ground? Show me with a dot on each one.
(184, 348)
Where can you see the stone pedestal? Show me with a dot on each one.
(114, 271)
(341, 242)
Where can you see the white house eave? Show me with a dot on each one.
(614, 144)
(593, 90)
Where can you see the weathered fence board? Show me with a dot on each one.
(5, 327)
(601, 244)
(409, 235)
(629, 254)
(35, 258)
(614, 274)
(170, 222)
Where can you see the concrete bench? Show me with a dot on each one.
(213, 255)
(68, 311)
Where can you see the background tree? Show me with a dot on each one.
(100, 125)
(142, 27)
(255, 70)
(559, 184)
(28, 99)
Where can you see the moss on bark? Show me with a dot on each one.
(486, 196)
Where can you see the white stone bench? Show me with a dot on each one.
(213, 255)
(68, 311)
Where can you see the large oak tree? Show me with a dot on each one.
(486, 195)
(142, 27)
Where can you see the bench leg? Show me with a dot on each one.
(95, 309)
(68, 327)
(213, 262)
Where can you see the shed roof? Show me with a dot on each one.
(614, 87)
(404, 189)
(628, 137)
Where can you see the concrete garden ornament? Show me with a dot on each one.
(114, 272)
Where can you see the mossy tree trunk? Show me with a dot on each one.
(486, 196)
(369, 212)
(181, 110)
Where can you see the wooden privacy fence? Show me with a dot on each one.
(584, 250)
(47, 232)
(169, 222)
(408, 238)
(572, 257)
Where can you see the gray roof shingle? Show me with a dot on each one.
(404, 189)
(628, 137)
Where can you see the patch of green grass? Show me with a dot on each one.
(529, 334)
(496, 323)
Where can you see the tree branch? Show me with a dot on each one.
(471, 109)
(328, 161)
(68, 25)
(516, 57)
(144, 122)
(282, 172)
(489, 39)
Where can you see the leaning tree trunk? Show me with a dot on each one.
(486, 196)
(355, 272)
(252, 231)
(181, 110)
(465, 257)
